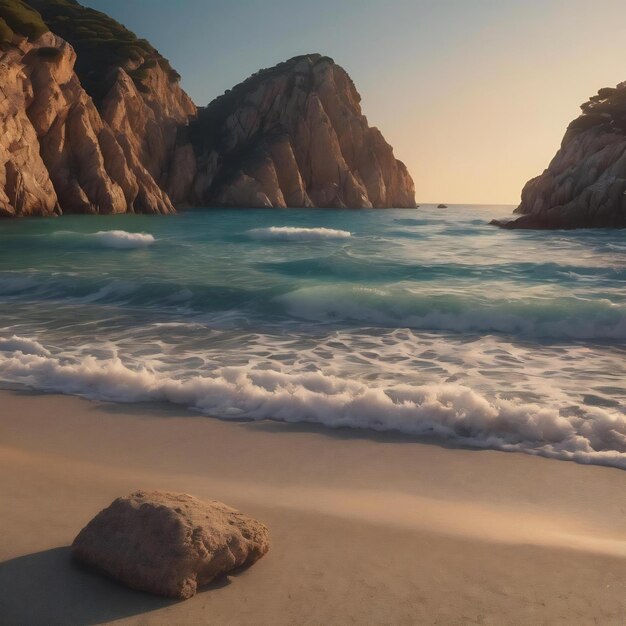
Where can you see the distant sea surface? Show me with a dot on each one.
(427, 322)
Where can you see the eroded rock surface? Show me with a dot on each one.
(135, 89)
(58, 152)
(293, 136)
(93, 120)
(584, 185)
(169, 544)
(25, 185)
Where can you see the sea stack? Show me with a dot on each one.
(293, 136)
(585, 183)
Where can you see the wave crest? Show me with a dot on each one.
(123, 239)
(120, 239)
(291, 233)
(565, 317)
(23, 345)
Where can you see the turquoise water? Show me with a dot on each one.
(427, 321)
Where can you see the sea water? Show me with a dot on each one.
(427, 322)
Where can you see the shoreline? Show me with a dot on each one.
(365, 527)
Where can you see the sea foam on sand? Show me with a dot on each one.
(447, 411)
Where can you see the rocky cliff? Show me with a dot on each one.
(292, 136)
(136, 90)
(585, 183)
(59, 152)
(93, 120)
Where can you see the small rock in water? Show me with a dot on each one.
(169, 543)
(442, 206)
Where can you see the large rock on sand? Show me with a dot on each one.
(169, 543)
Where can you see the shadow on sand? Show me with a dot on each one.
(47, 588)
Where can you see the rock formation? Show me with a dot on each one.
(585, 183)
(293, 136)
(136, 90)
(25, 185)
(169, 543)
(58, 152)
(93, 120)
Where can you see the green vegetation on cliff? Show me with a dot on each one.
(17, 18)
(101, 44)
(607, 110)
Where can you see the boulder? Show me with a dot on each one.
(169, 543)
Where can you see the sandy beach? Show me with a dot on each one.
(365, 529)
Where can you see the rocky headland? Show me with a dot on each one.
(584, 186)
(93, 120)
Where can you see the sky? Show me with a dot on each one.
(474, 95)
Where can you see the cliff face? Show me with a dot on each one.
(54, 148)
(25, 185)
(585, 183)
(135, 89)
(93, 120)
(291, 136)
(58, 152)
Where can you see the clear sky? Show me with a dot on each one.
(474, 95)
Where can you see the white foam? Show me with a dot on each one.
(123, 239)
(291, 233)
(23, 345)
(120, 239)
(449, 411)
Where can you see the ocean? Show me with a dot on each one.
(427, 322)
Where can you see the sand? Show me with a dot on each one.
(365, 528)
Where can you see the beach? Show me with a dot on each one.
(272, 354)
(365, 528)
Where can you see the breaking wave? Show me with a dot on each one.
(23, 345)
(445, 411)
(120, 239)
(291, 233)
